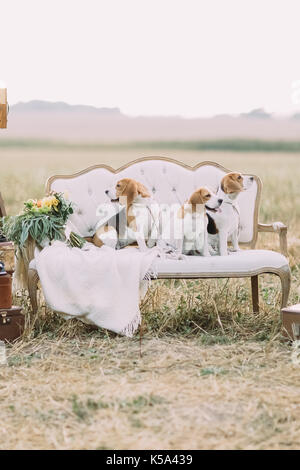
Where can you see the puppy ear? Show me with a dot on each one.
(142, 190)
(204, 193)
(129, 193)
(195, 199)
(229, 184)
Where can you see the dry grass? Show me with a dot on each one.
(97, 393)
(212, 375)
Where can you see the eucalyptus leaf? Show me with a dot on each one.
(40, 223)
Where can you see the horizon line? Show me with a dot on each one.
(259, 112)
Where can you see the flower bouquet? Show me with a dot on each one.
(42, 220)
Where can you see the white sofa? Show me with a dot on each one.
(171, 181)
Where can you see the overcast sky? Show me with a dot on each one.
(188, 57)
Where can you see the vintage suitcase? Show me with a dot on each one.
(12, 323)
(7, 255)
(5, 288)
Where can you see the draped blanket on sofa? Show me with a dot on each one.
(99, 286)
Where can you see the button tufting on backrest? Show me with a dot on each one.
(170, 184)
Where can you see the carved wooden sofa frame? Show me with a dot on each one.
(280, 268)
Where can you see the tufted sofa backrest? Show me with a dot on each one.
(169, 181)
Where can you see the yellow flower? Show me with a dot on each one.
(47, 202)
(50, 201)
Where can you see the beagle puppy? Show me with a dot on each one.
(190, 223)
(224, 224)
(138, 222)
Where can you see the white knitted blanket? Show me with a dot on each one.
(100, 286)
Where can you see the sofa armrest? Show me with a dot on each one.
(281, 229)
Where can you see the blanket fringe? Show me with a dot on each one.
(151, 274)
(131, 328)
(146, 281)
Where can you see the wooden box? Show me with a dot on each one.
(7, 255)
(3, 108)
(291, 321)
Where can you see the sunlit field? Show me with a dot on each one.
(210, 374)
(25, 171)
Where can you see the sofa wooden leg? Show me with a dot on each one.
(32, 289)
(254, 289)
(285, 277)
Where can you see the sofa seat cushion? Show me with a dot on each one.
(241, 263)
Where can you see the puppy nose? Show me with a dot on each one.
(220, 201)
(106, 192)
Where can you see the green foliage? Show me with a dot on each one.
(83, 409)
(76, 240)
(40, 220)
(232, 145)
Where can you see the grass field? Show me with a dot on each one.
(212, 375)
